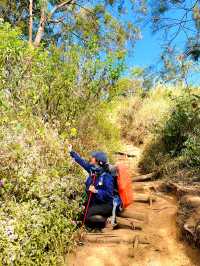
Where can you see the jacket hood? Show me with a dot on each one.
(100, 156)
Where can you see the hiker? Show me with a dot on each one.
(102, 189)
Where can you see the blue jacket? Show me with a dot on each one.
(104, 182)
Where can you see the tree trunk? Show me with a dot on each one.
(44, 18)
(30, 21)
(40, 31)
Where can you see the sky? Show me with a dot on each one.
(147, 51)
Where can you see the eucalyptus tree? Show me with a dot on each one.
(177, 23)
(110, 23)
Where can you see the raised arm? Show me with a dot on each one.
(78, 159)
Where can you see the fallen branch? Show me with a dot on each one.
(181, 190)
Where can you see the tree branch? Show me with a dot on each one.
(61, 20)
(44, 19)
(57, 7)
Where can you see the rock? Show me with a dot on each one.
(191, 201)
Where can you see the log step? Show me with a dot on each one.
(116, 239)
(134, 215)
(144, 198)
(125, 154)
(129, 223)
(142, 178)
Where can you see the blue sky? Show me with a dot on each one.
(147, 50)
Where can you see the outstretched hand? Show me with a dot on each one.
(70, 147)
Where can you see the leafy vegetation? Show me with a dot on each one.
(175, 146)
(166, 122)
(143, 113)
(41, 191)
(62, 79)
(40, 198)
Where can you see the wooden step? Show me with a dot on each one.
(144, 198)
(129, 223)
(116, 238)
(142, 178)
(154, 186)
(130, 213)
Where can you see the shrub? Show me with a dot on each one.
(143, 113)
(40, 197)
(47, 99)
(175, 144)
(182, 127)
(41, 193)
(101, 128)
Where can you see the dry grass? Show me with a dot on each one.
(143, 114)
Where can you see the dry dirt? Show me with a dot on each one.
(157, 244)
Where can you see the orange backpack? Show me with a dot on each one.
(124, 185)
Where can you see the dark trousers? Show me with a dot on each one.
(98, 214)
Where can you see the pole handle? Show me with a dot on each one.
(89, 199)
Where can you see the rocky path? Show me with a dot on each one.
(148, 237)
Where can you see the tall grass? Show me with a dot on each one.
(166, 123)
(143, 114)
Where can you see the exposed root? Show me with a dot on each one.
(189, 211)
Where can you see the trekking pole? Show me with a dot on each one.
(89, 199)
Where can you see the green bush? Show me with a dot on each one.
(175, 144)
(143, 113)
(181, 129)
(101, 128)
(42, 194)
(48, 98)
(40, 198)
(192, 149)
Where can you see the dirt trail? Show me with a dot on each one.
(157, 244)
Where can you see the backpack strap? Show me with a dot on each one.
(113, 170)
